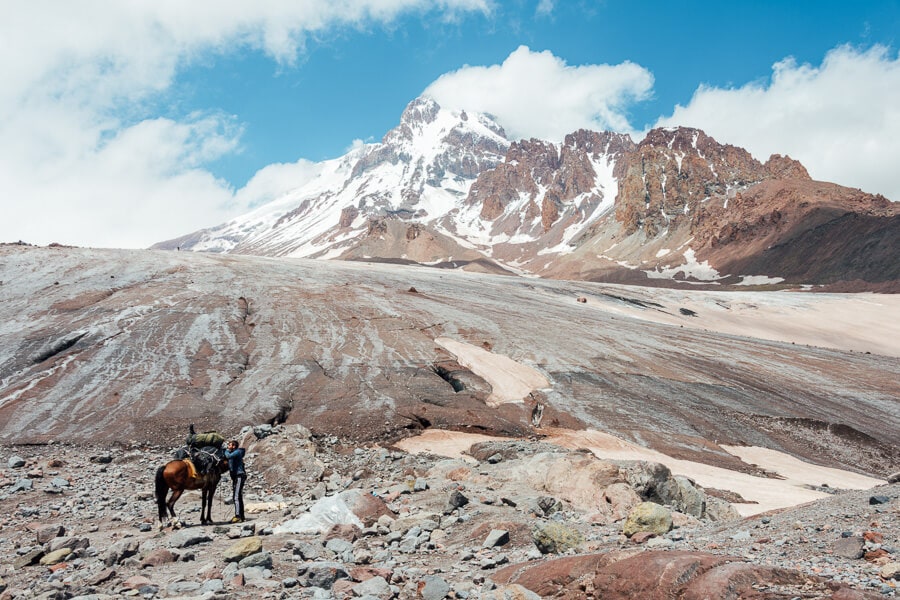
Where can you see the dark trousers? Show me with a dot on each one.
(237, 492)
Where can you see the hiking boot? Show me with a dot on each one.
(237, 520)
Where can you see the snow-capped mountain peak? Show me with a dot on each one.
(447, 187)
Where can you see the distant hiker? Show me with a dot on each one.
(235, 458)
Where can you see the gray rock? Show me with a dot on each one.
(435, 588)
(409, 545)
(308, 550)
(850, 547)
(187, 537)
(457, 499)
(22, 485)
(681, 494)
(59, 482)
(75, 543)
(260, 559)
(290, 582)
(497, 537)
(15, 462)
(48, 532)
(647, 478)
(262, 431)
(658, 542)
(30, 557)
(255, 573)
(510, 592)
(182, 587)
(119, 551)
(339, 546)
(375, 586)
(324, 574)
(718, 510)
(420, 485)
(213, 585)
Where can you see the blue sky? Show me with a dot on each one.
(124, 124)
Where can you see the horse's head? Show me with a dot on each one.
(221, 462)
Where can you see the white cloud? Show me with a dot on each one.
(536, 94)
(840, 119)
(545, 8)
(82, 158)
(273, 180)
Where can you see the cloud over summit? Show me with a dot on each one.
(536, 94)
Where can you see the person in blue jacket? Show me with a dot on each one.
(235, 456)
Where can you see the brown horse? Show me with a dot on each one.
(180, 475)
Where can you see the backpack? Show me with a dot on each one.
(210, 438)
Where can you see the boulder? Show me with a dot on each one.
(242, 549)
(120, 551)
(29, 558)
(650, 517)
(52, 558)
(374, 586)
(433, 587)
(720, 510)
(257, 559)
(681, 494)
(159, 556)
(184, 538)
(648, 479)
(575, 478)
(850, 547)
(324, 574)
(617, 500)
(48, 532)
(497, 537)
(510, 592)
(890, 571)
(136, 582)
(553, 537)
(625, 575)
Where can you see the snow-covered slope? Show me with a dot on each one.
(419, 172)
(448, 188)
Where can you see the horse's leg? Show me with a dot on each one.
(176, 494)
(204, 497)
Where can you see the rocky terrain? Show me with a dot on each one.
(332, 519)
(599, 441)
(448, 188)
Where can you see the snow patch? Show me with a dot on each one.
(692, 268)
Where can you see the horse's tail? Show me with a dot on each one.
(162, 490)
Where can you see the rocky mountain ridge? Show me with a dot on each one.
(448, 188)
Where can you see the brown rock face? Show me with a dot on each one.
(672, 171)
(348, 213)
(803, 231)
(656, 575)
